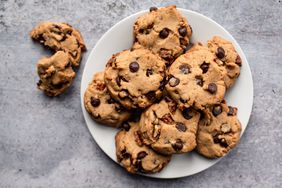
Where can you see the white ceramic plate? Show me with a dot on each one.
(120, 37)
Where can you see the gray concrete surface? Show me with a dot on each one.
(44, 142)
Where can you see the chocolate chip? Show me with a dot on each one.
(96, 116)
(183, 100)
(141, 155)
(205, 67)
(216, 110)
(178, 145)
(151, 95)
(134, 66)
(220, 53)
(149, 72)
(223, 143)
(68, 64)
(183, 42)
(126, 126)
(118, 81)
(150, 26)
(199, 80)
(39, 83)
(181, 127)
(146, 30)
(162, 83)
(40, 38)
(216, 140)
(184, 69)
(153, 9)
(173, 81)
(119, 108)
(238, 60)
(57, 26)
(232, 111)
(123, 79)
(141, 30)
(164, 33)
(124, 154)
(182, 31)
(111, 101)
(69, 32)
(94, 102)
(58, 85)
(166, 54)
(212, 88)
(135, 115)
(167, 119)
(202, 115)
(186, 113)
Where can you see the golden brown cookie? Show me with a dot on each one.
(136, 157)
(101, 106)
(220, 133)
(195, 79)
(167, 129)
(135, 78)
(55, 73)
(227, 57)
(164, 31)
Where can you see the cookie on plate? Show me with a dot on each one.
(101, 106)
(164, 31)
(135, 78)
(55, 73)
(222, 133)
(60, 36)
(195, 79)
(136, 157)
(226, 56)
(167, 129)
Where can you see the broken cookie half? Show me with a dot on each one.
(55, 73)
(60, 36)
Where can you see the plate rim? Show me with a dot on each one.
(247, 65)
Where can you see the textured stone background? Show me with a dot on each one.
(44, 142)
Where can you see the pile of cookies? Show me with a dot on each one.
(166, 96)
(56, 72)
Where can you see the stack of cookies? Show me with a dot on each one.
(166, 96)
(56, 73)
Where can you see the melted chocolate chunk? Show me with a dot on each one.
(181, 126)
(95, 102)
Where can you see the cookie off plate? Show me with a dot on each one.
(120, 37)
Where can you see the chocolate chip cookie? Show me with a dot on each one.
(195, 79)
(55, 73)
(135, 78)
(164, 31)
(101, 106)
(226, 56)
(60, 36)
(217, 138)
(167, 129)
(136, 157)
